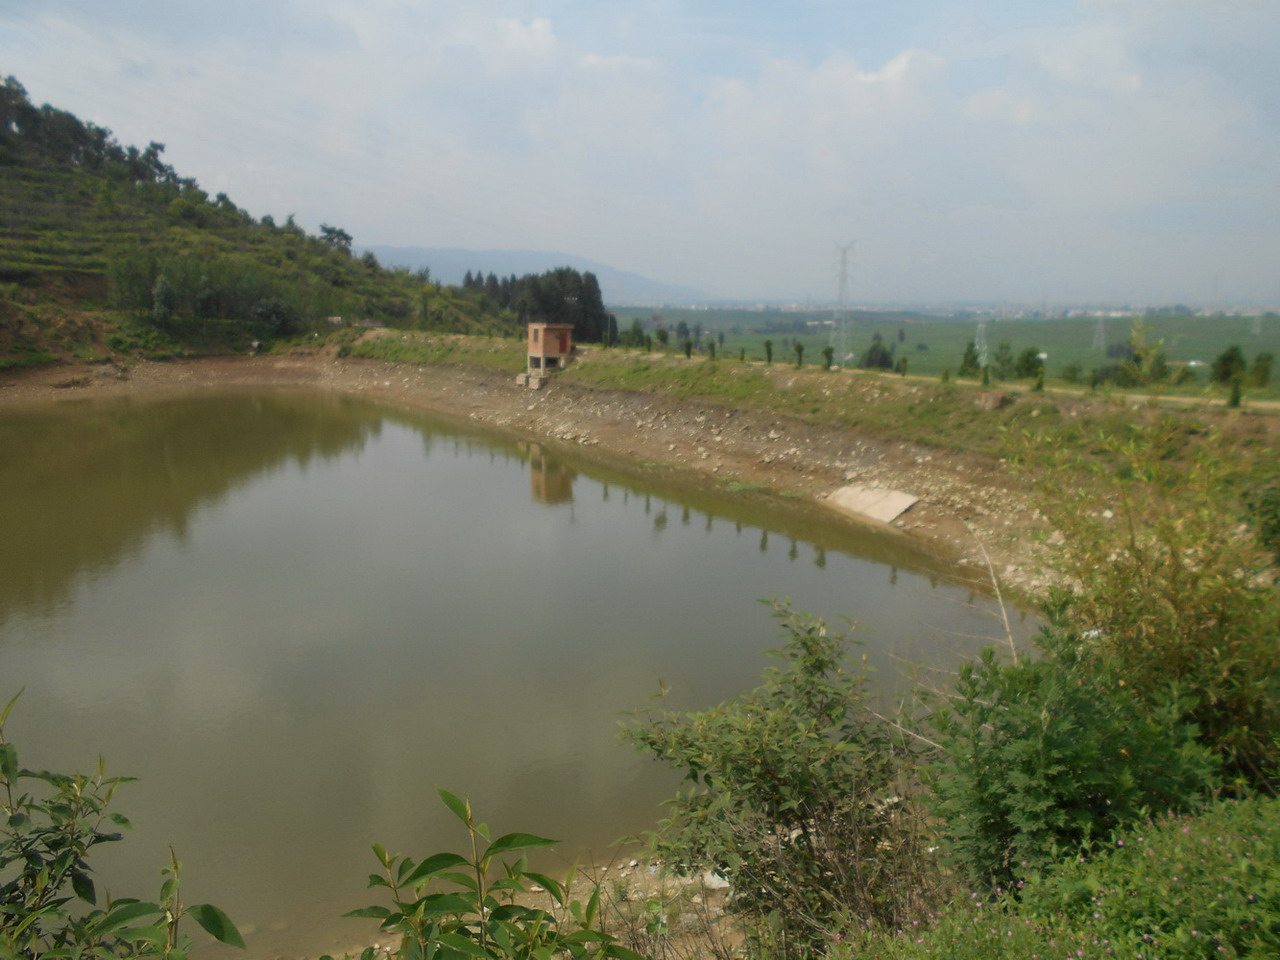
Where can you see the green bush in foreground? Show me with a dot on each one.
(1042, 759)
(795, 798)
(448, 907)
(1171, 586)
(51, 822)
(1182, 888)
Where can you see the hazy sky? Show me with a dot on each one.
(1055, 150)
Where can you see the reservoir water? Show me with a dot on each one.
(294, 615)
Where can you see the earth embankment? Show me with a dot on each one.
(971, 509)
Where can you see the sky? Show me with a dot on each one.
(1021, 151)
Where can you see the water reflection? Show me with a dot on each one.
(86, 483)
(294, 616)
(550, 479)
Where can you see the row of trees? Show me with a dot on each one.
(1137, 364)
(181, 294)
(196, 266)
(61, 138)
(561, 295)
(1004, 365)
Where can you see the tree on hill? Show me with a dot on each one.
(336, 237)
(56, 136)
(194, 267)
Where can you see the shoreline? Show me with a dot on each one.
(970, 511)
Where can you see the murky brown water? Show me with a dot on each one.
(293, 616)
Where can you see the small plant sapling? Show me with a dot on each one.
(464, 907)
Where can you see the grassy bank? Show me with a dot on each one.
(1069, 439)
(933, 344)
(489, 353)
(942, 415)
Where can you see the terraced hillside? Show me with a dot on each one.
(106, 248)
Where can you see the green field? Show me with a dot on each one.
(934, 345)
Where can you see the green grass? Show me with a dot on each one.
(1067, 341)
(21, 358)
(1178, 889)
(143, 341)
(423, 349)
(738, 486)
(944, 415)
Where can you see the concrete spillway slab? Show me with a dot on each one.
(874, 503)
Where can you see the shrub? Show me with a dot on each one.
(1169, 586)
(276, 316)
(1186, 886)
(795, 797)
(1264, 514)
(1028, 363)
(1043, 758)
(52, 822)
(453, 907)
(876, 357)
(1180, 888)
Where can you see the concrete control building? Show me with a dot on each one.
(550, 346)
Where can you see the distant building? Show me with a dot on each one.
(550, 346)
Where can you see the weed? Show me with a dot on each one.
(741, 486)
(461, 907)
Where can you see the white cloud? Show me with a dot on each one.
(1015, 162)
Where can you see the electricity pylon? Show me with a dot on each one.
(840, 323)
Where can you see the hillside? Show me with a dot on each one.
(106, 249)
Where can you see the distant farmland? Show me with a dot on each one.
(933, 345)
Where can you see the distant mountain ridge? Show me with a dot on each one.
(450, 264)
